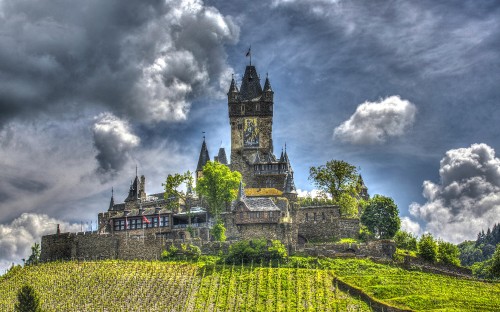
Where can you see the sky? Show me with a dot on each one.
(407, 91)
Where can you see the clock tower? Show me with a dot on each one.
(251, 121)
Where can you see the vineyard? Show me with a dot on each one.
(159, 286)
(307, 284)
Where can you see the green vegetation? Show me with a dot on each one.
(172, 194)
(381, 217)
(335, 178)
(219, 185)
(177, 286)
(427, 248)
(479, 254)
(27, 300)
(257, 251)
(405, 240)
(448, 253)
(34, 258)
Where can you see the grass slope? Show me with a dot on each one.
(159, 286)
(416, 290)
(178, 286)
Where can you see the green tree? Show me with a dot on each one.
(219, 231)
(427, 248)
(448, 253)
(348, 205)
(381, 217)
(219, 185)
(495, 263)
(405, 240)
(34, 258)
(173, 194)
(27, 300)
(335, 178)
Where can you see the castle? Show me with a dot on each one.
(267, 207)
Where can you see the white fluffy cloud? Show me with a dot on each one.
(113, 140)
(17, 237)
(467, 199)
(375, 122)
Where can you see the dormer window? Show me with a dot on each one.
(257, 107)
(242, 109)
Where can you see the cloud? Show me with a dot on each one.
(411, 226)
(113, 140)
(375, 122)
(467, 198)
(147, 59)
(17, 237)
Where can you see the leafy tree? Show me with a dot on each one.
(335, 178)
(27, 300)
(427, 248)
(348, 205)
(448, 253)
(219, 185)
(381, 217)
(34, 258)
(172, 193)
(495, 263)
(405, 240)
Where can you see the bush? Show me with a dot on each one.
(448, 253)
(427, 248)
(187, 251)
(219, 232)
(27, 300)
(365, 234)
(405, 240)
(257, 251)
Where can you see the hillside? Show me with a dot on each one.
(179, 286)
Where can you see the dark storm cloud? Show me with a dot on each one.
(145, 59)
(113, 140)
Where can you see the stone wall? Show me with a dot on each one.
(324, 224)
(378, 249)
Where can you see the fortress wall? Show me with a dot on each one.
(324, 223)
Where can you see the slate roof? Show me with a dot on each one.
(250, 84)
(221, 157)
(267, 85)
(256, 204)
(204, 157)
(146, 212)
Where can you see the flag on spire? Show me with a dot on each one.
(249, 52)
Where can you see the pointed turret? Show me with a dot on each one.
(232, 94)
(133, 191)
(290, 191)
(204, 157)
(257, 158)
(282, 157)
(202, 160)
(221, 157)
(362, 189)
(112, 201)
(250, 85)
(268, 91)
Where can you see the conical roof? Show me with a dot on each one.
(232, 87)
(222, 156)
(290, 184)
(267, 85)
(250, 85)
(204, 157)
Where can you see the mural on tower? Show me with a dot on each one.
(250, 133)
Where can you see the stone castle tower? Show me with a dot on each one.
(251, 121)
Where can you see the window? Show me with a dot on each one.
(242, 109)
(241, 215)
(307, 216)
(323, 216)
(257, 107)
(155, 221)
(240, 126)
(270, 214)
